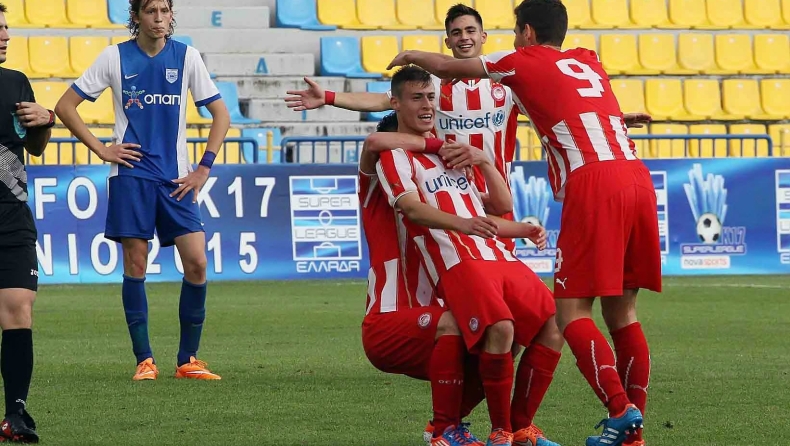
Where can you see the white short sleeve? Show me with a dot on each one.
(98, 77)
(203, 89)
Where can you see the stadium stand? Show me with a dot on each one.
(698, 66)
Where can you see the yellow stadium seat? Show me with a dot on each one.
(49, 13)
(702, 97)
(496, 13)
(531, 149)
(49, 55)
(650, 14)
(664, 100)
(429, 42)
(342, 13)
(611, 14)
(100, 111)
(668, 148)
(780, 136)
(48, 93)
(580, 41)
(689, 14)
(748, 148)
(630, 94)
(192, 114)
(726, 13)
(378, 52)
(763, 13)
(772, 52)
(18, 57)
(642, 146)
(379, 14)
(742, 97)
(734, 54)
(119, 39)
(619, 55)
(707, 148)
(786, 11)
(230, 153)
(695, 52)
(498, 42)
(579, 14)
(775, 94)
(84, 51)
(657, 53)
(16, 14)
(89, 14)
(410, 12)
(50, 156)
(82, 154)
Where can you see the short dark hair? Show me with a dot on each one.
(135, 6)
(409, 74)
(461, 10)
(3, 8)
(548, 18)
(388, 123)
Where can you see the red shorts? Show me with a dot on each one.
(608, 233)
(481, 293)
(402, 342)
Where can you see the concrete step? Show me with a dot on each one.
(275, 87)
(260, 64)
(229, 17)
(275, 110)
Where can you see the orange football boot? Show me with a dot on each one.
(531, 436)
(146, 370)
(195, 369)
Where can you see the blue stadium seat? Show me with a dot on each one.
(186, 40)
(378, 87)
(231, 97)
(299, 14)
(260, 136)
(118, 10)
(340, 56)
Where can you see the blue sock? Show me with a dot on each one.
(191, 314)
(135, 305)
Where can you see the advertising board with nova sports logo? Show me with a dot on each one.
(267, 222)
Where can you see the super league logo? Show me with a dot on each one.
(530, 199)
(707, 198)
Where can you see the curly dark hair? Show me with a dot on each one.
(135, 6)
(3, 8)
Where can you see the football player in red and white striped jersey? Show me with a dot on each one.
(608, 244)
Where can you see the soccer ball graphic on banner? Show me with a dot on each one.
(709, 228)
(533, 221)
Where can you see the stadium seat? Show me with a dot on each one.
(230, 95)
(115, 40)
(611, 14)
(261, 135)
(531, 149)
(16, 14)
(650, 14)
(377, 87)
(668, 148)
(193, 116)
(780, 136)
(657, 53)
(786, 11)
(579, 14)
(726, 13)
(340, 56)
(742, 97)
(580, 41)
(664, 100)
(775, 94)
(689, 14)
(764, 14)
(619, 55)
(702, 97)
(100, 111)
(230, 152)
(56, 153)
(89, 14)
(772, 52)
(641, 145)
(18, 58)
(630, 94)
(48, 13)
(748, 148)
(734, 54)
(378, 52)
(49, 55)
(299, 14)
(695, 52)
(48, 93)
(498, 42)
(423, 42)
(496, 13)
(373, 14)
(342, 13)
(84, 50)
(118, 11)
(412, 13)
(707, 148)
(81, 153)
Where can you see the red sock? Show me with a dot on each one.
(595, 360)
(633, 365)
(447, 381)
(496, 372)
(474, 393)
(533, 378)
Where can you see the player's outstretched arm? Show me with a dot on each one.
(441, 65)
(458, 156)
(315, 96)
(427, 215)
(514, 229)
(66, 110)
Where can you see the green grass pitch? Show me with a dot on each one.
(294, 372)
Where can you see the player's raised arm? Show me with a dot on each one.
(443, 66)
(315, 96)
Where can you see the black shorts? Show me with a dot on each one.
(19, 267)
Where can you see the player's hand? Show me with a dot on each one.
(31, 114)
(301, 100)
(192, 182)
(479, 226)
(636, 120)
(400, 60)
(536, 234)
(459, 156)
(120, 153)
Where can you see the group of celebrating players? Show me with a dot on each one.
(447, 299)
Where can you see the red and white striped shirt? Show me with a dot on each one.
(396, 278)
(448, 190)
(570, 104)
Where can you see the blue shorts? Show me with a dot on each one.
(137, 206)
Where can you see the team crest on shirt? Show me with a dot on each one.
(497, 92)
(21, 132)
(171, 75)
(473, 324)
(424, 320)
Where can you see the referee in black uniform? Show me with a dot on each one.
(24, 125)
